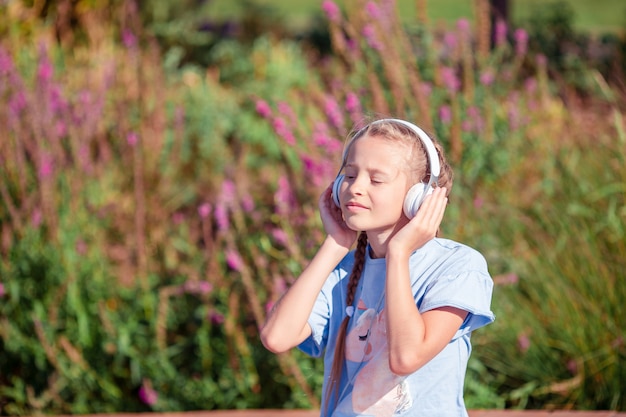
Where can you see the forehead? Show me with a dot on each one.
(378, 149)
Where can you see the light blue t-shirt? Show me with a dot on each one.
(443, 273)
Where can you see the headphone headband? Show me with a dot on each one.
(431, 151)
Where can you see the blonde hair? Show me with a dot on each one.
(418, 171)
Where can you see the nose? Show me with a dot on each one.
(356, 184)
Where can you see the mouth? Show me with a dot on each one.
(353, 206)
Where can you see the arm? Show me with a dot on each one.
(415, 338)
(287, 324)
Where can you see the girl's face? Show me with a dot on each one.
(375, 184)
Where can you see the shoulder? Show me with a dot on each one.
(451, 254)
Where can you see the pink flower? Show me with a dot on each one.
(449, 40)
(463, 25)
(37, 217)
(46, 167)
(204, 210)
(263, 109)
(279, 236)
(353, 104)
(129, 39)
(369, 33)
(487, 77)
(198, 287)
(216, 318)
(6, 62)
(445, 114)
(233, 260)
(506, 279)
(521, 41)
(221, 217)
(450, 80)
(45, 70)
(282, 130)
(247, 203)
(147, 394)
(333, 112)
(132, 138)
(500, 32)
(2, 290)
(373, 10)
(228, 193)
(523, 342)
(331, 10)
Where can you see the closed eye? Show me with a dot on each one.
(363, 338)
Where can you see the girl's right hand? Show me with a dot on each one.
(333, 222)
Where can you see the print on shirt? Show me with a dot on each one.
(377, 391)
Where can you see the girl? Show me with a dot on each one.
(393, 317)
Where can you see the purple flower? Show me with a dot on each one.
(280, 236)
(373, 10)
(500, 32)
(530, 85)
(506, 279)
(247, 203)
(221, 217)
(263, 109)
(204, 210)
(542, 61)
(37, 217)
(129, 39)
(17, 103)
(521, 41)
(523, 342)
(45, 70)
(147, 394)
(132, 138)
(282, 130)
(369, 33)
(353, 104)
(233, 260)
(178, 217)
(449, 40)
(283, 197)
(46, 167)
(333, 112)
(216, 318)
(487, 77)
(198, 287)
(331, 10)
(286, 110)
(445, 114)
(6, 63)
(450, 80)
(426, 88)
(463, 25)
(228, 193)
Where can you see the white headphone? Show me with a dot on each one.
(417, 193)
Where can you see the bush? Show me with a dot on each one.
(153, 209)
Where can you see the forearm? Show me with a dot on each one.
(286, 325)
(406, 329)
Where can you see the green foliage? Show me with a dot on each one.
(152, 208)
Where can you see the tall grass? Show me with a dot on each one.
(152, 212)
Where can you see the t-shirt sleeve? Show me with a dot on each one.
(468, 290)
(318, 320)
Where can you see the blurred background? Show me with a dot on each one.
(161, 161)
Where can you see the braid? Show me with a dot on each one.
(340, 345)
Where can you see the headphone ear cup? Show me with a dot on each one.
(336, 188)
(414, 198)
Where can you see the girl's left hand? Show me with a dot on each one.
(423, 227)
